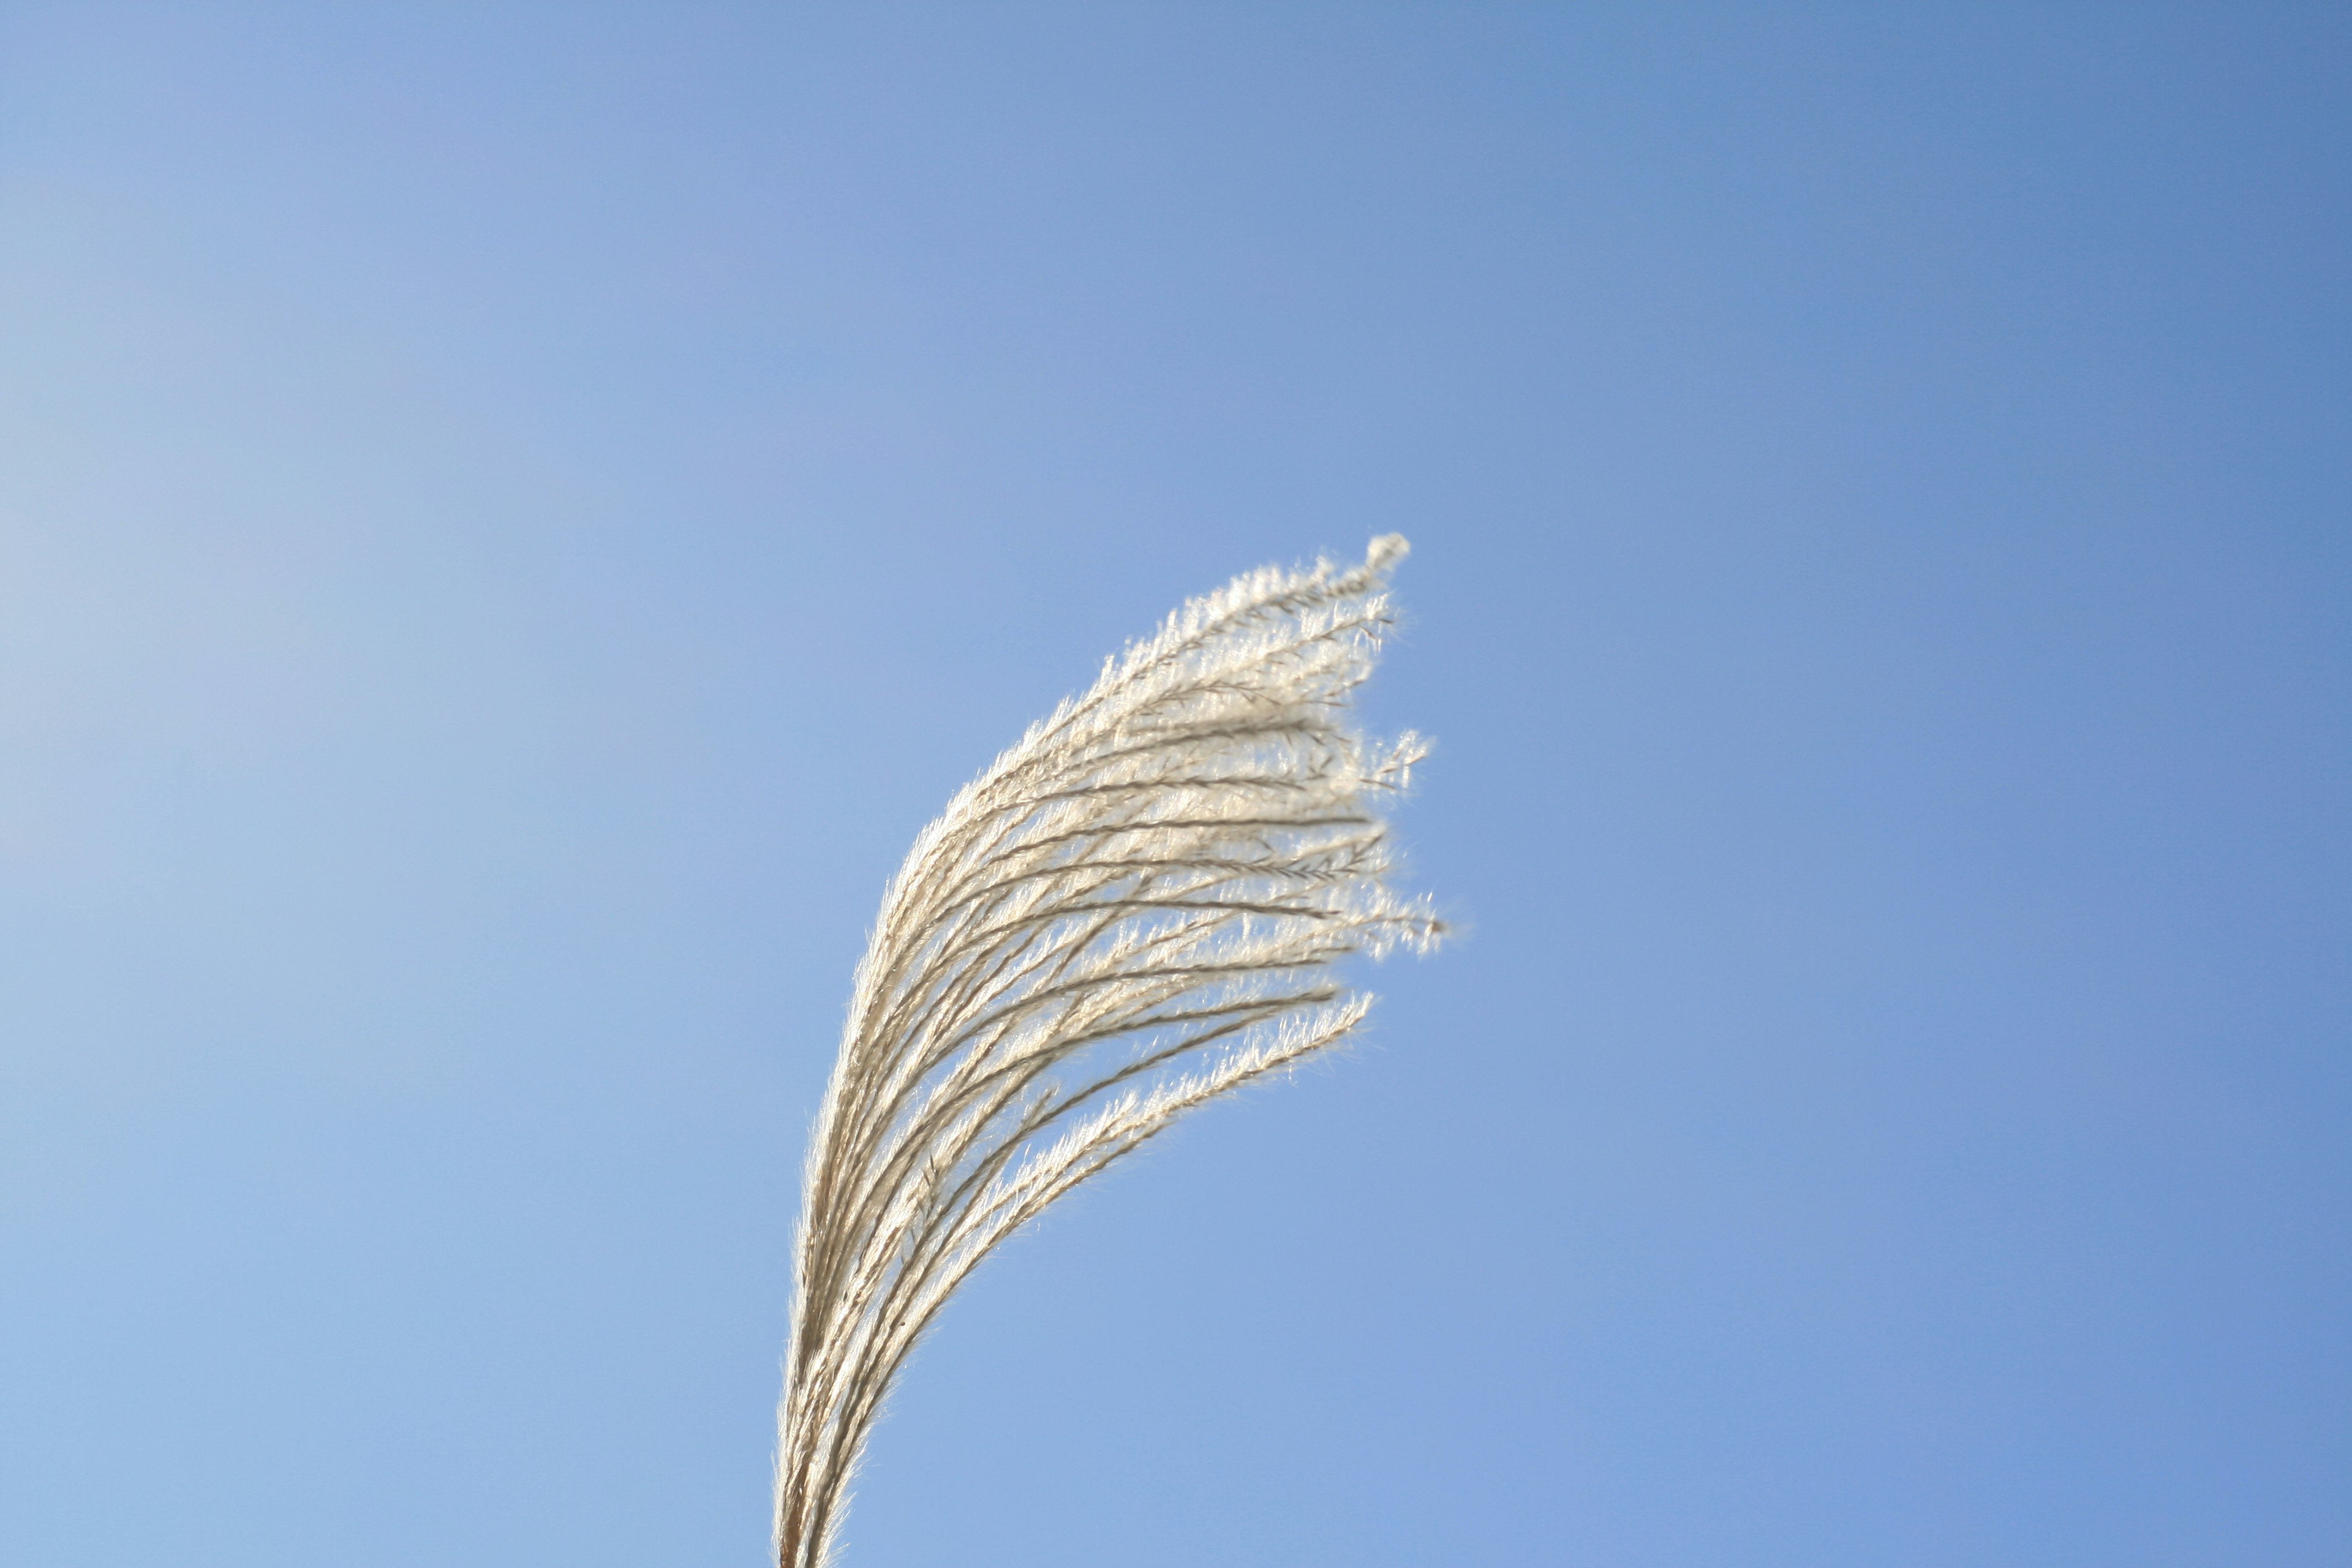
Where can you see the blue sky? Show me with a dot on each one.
(510, 518)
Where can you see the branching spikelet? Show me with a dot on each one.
(1133, 912)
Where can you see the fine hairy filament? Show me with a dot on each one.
(1134, 910)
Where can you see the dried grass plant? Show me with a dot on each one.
(1134, 910)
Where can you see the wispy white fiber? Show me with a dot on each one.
(1134, 910)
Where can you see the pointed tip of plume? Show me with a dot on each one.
(1139, 907)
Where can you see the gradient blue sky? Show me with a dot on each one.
(511, 517)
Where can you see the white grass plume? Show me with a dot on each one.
(1145, 897)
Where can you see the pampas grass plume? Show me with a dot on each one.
(1134, 910)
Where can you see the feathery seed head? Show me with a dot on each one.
(1133, 912)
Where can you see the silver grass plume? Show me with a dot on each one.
(1145, 898)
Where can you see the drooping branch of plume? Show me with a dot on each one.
(1134, 910)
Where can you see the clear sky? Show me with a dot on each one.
(511, 517)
